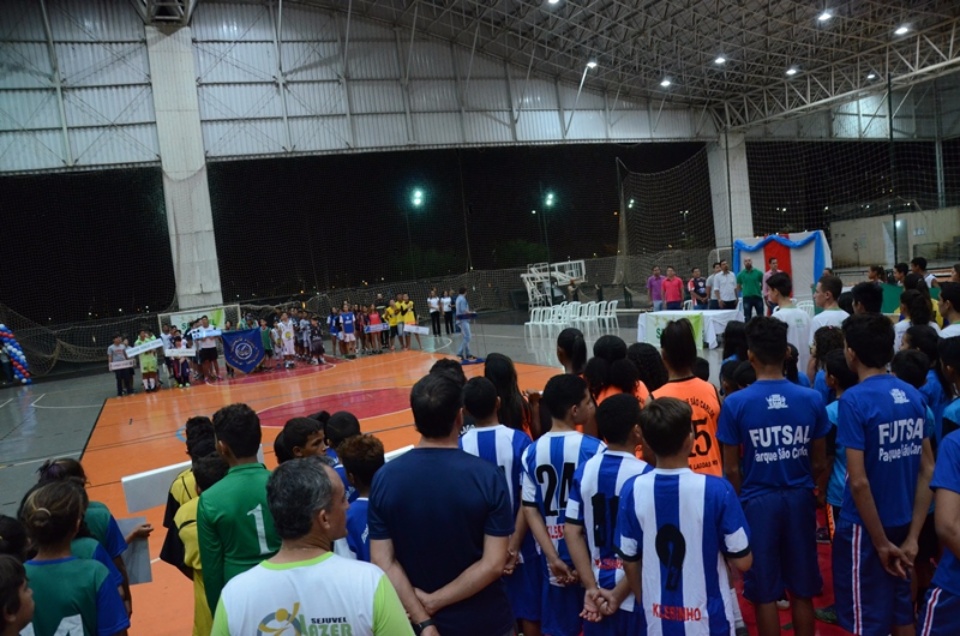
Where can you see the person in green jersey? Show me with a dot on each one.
(234, 525)
(306, 584)
(73, 596)
(148, 362)
(750, 286)
(16, 597)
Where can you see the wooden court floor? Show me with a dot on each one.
(144, 431)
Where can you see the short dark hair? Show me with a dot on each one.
(362, 456)
(435, 401)
(782, 283)
(677, 344)
(298, 430)
(12, 577)
(610, 348)
(562, 393)
(767, 339)
(869, 295)
(201, 439)
(832, 285)
(238, 427)
(321, 416)
(879, 269)
(903, 268)
(60, 469)
(480, 397)
(666, 425)
(716, 264)
(452, 368)
(870, 336)
(835, 364)
(13, 539)
(296, 491)
(701, 369)
(744, 375)
(281, 450)
(463, 290)
(948, 350)
(911, 366)
(209, 470)
(920, 262)
(924, 338)
(846, 302)
(341, 425)
(617, 416)
(951, 293)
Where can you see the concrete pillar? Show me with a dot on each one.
(185, 189)
(730, 188)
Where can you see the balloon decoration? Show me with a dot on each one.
(21, 369)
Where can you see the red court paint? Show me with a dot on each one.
(363, 404)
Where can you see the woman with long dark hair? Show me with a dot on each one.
(515, 411)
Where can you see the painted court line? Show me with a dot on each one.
(5, 403)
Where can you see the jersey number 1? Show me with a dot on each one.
(257, 514)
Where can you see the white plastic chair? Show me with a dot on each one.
(536, 320)
(688, 305)
(807, 306)
(609, 317)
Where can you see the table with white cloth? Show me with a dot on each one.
(708, 324)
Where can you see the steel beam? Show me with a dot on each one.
(68, 159)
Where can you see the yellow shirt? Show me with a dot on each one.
(184, 487)
(408, 318)
(186, 521)
(392, 316)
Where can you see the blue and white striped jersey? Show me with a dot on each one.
(683, 523)
(502, 446)
(548, 468)
(594, 504)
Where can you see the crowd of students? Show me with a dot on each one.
(625, 498)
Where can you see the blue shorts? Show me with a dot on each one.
(868, 600)
(400, 328)
(524, 587)
(622, 623)
(560, 609)
(940, 615)
(783, 539)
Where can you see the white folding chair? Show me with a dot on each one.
(807, 306)
(536, 320)
(688, 305)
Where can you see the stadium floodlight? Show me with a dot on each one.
(720, 60)
(793, 70)
(665, 82)
(826, 15)
(903, 29)
(630, 204)
(553, 1)
(549, 200)
(592, 64)
(417, 198)
(871, 76)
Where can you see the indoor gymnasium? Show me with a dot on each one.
(479, 317)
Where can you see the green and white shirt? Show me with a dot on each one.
(324, 596)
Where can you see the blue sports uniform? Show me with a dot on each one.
(681, 525)
(776, 423)
(358, 534)
(548, 468)
(941, 612)
(883, 417)
(594, 504)
(503, 447)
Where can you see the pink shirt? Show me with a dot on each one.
(673, 290)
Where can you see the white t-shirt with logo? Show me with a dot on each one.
(325, 595)
(798, 332)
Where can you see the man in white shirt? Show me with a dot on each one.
(712, 303)
(798, 321)
(919, 266)
(828, 290)
(725, 287)
(950, 309)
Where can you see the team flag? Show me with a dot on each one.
(243, 349)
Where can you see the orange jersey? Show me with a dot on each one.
(641, 393)
(702, 397)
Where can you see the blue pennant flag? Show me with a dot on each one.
(243, 350)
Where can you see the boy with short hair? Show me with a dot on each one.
(798, 321)
(362, 457)
(503, 446)
(590, 529)
(300, 437)
(348, 329)
(341, 426)
(549, 465)
(781, 428)
(887, 495)
(316, 341)
(676, 529)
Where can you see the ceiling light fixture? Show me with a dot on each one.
(793, 70)
(902, 30)
(720, 60)
(592, 64)
(553, 1)
(826, 15)
(871, 76)
(665, 82)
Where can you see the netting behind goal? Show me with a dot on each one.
(667, 221)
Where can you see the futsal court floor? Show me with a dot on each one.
(115, 437)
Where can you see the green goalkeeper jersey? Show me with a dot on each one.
(75, 596)
(235, 527)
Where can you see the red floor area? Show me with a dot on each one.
(363, 404)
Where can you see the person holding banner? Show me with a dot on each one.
(148, 361)
(207, 337)
(117, 353)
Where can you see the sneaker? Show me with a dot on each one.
(826, 614)
(314, 362)
(783, 604)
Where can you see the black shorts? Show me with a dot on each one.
(208, 354)
(394, 332)
(927, 542)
